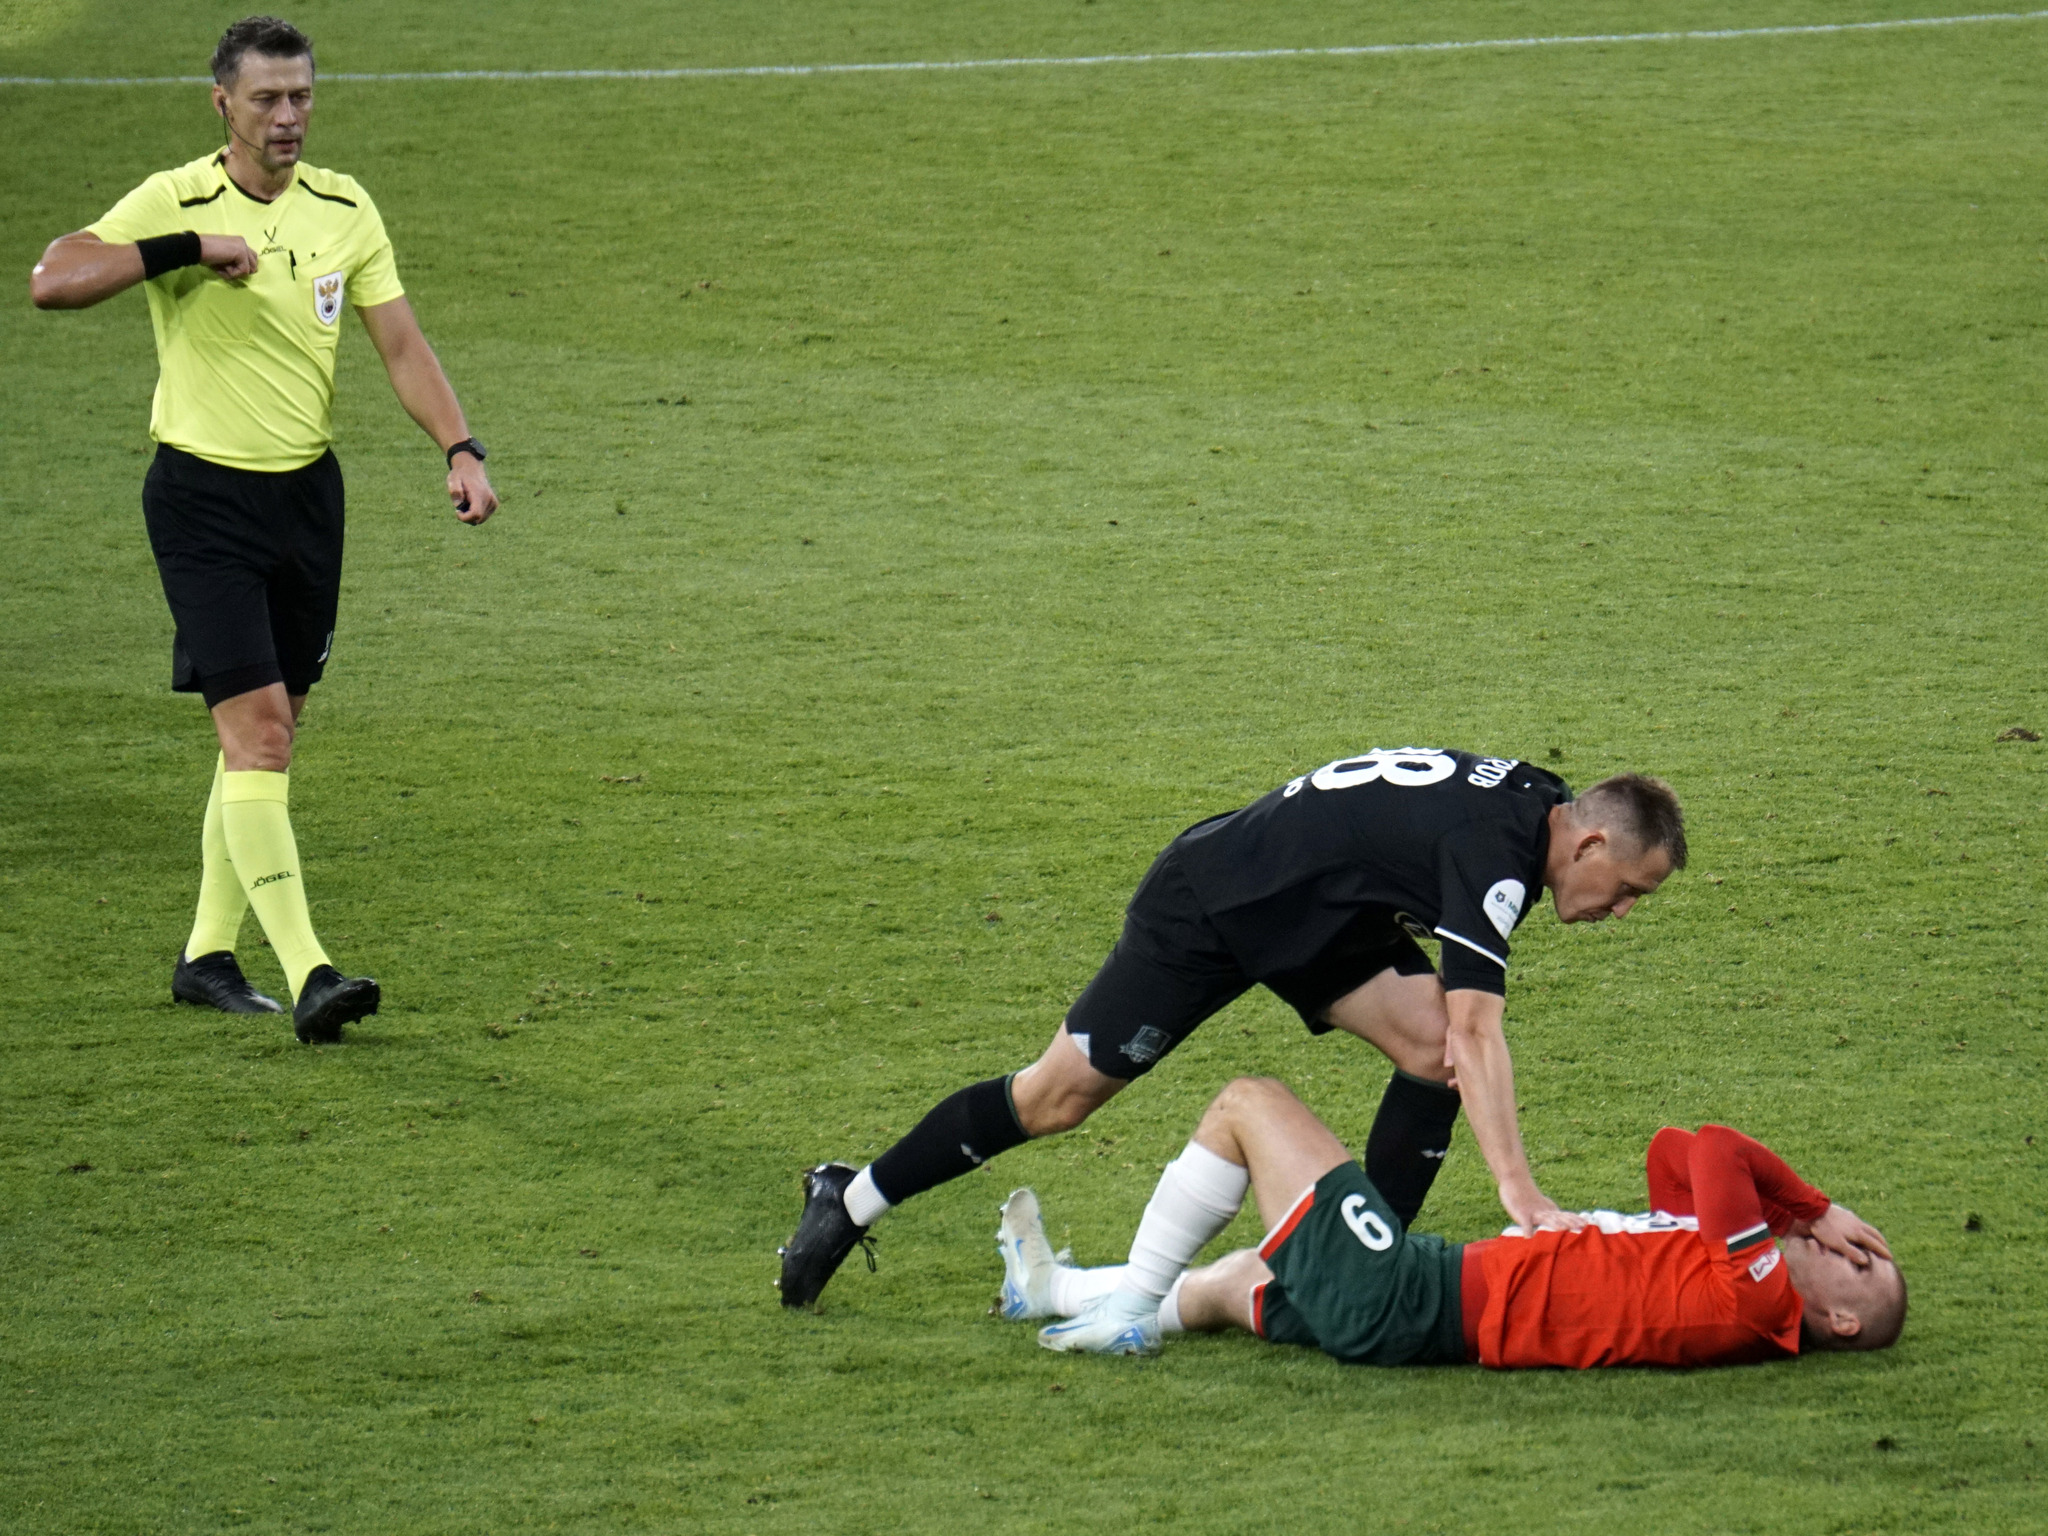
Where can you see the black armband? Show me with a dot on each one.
(167, 253)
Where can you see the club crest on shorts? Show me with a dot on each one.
(327, 293)
(1146, 1046)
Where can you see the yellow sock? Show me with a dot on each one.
(266, 855)
(222, 901)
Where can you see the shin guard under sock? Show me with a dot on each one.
(266, 855)
(1410, 1136)
(1197, 1197)
(957, 1136)
(222, 901)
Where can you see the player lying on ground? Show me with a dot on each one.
(1318, 892)
(1698, 1282)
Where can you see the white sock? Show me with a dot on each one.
(864, 1202)
(1074, 1291)
(1198, 1195)
(1169, 1309)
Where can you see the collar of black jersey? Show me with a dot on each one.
(1565, 797)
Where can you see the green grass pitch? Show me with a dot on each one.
(925, 493)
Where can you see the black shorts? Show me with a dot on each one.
(1170, 970)
(251, 566)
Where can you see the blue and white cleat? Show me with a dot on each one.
(1119, 1324)
(1027, 1260)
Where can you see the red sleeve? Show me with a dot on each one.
(1743, 1191)
(1670, 1170)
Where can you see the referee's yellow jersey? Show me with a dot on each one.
(247, 369)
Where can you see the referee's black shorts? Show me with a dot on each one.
(251, 566)
(1170, 970)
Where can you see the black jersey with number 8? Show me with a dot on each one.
(1453, 842)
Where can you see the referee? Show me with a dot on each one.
(248, 257)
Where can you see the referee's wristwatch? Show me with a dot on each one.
(468, 445)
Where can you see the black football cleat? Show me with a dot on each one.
(824, 1236)
(216, 981)
(329, 1000)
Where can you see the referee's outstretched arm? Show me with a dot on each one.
(423, 389)
(80, 269)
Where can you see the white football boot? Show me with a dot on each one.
(1119, 1324)
(1027, 1260)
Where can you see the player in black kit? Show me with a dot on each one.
(1319, 892)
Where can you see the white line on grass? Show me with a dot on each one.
(905, 66)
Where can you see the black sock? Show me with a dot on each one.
(1410, 1136)
(959, 1135)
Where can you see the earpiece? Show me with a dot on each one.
(230, 122)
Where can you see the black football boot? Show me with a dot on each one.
(329, 1000)
(216, 981)
(824, 1236)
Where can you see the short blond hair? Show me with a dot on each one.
(1639, 808)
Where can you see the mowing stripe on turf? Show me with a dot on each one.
(903, 66)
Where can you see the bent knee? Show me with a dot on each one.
(274, 753)
(1419, 1047)
(1424, 1061)
(269, 753)
(1247, 1093)
(1059, 1091)
(261, 745)
(1053, 1115)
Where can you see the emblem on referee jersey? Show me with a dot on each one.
(327, 297)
